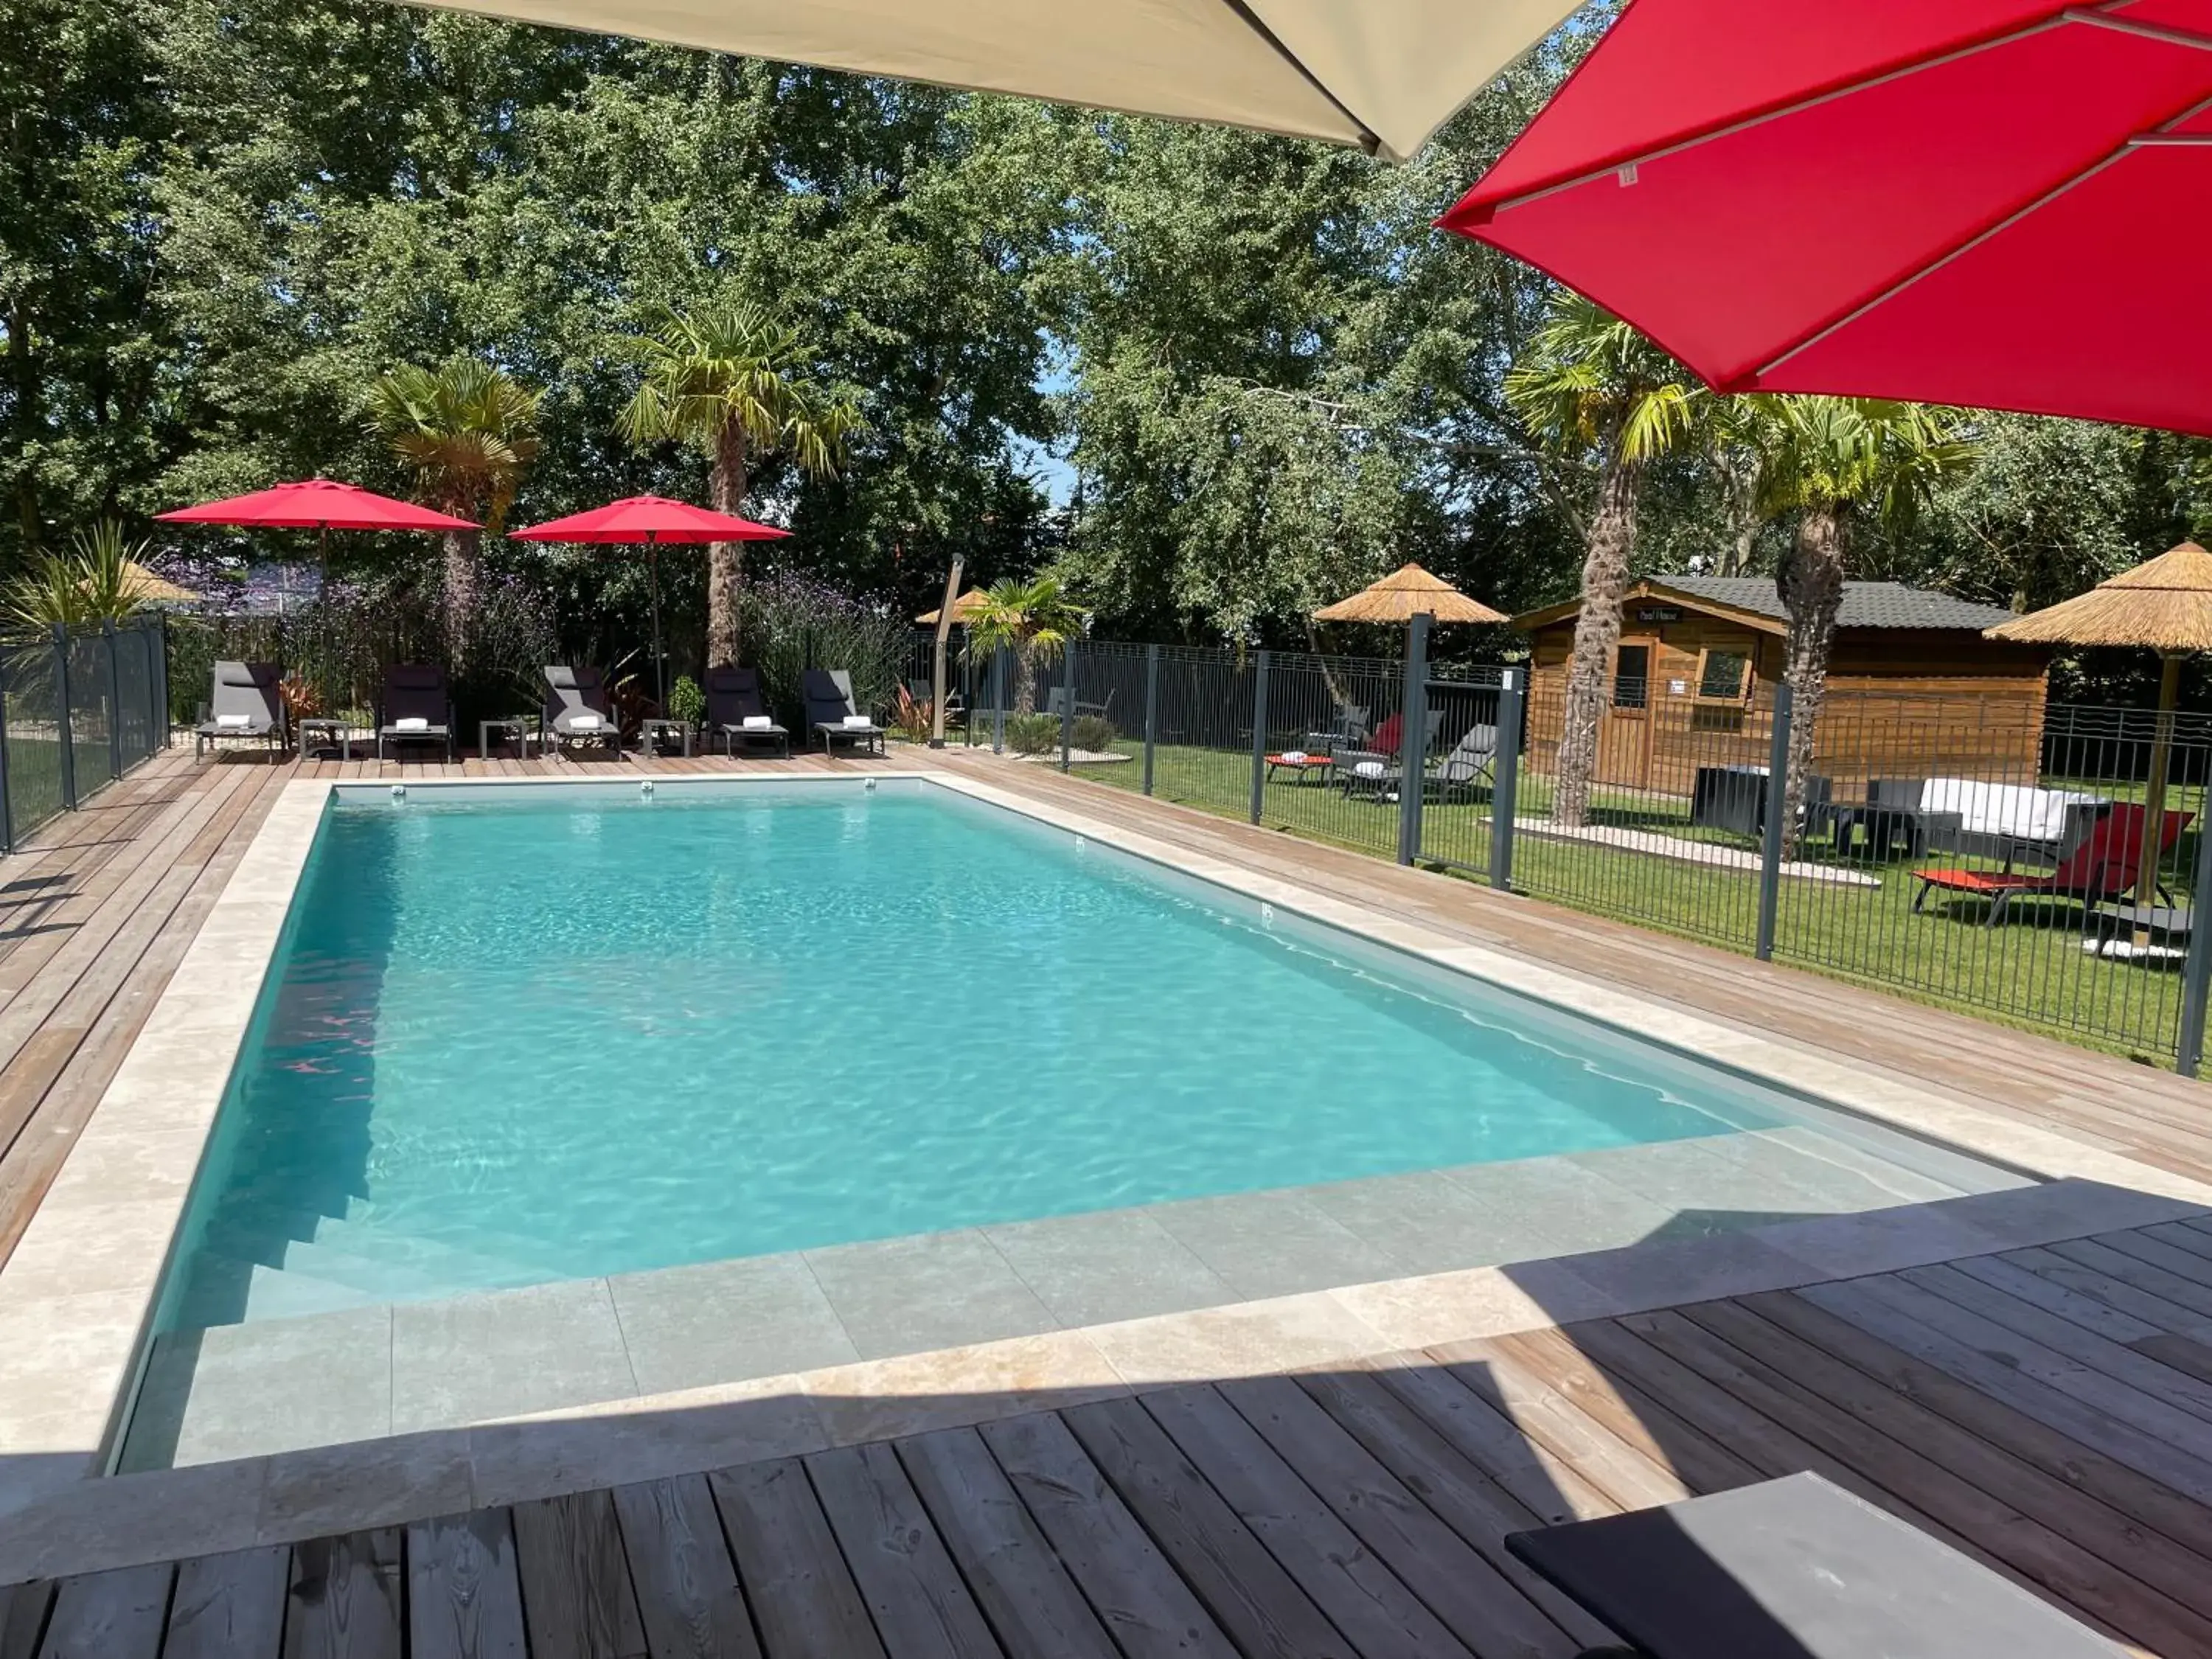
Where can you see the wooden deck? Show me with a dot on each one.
(2048, 1411)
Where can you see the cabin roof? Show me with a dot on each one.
(1754, 600)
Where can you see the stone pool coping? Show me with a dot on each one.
(78, 1294)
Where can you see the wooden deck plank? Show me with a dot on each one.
(229, 1606)
(346, 1598)
(23, 1610)
(109, 1615)
(1548, 1487)
(802, 1593)
(1479, 1604)
(1027, 1595)
(2168, 1611)
(1147, 1609)
(1261, 1606)
(463, 1591)
(688, 1597)
(576, 1595)
(1454, 1489)
(920, 1606)
(2131, 1295)
(1377, 1612)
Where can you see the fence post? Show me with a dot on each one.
(1151, 708)
(1770, 857)
(7, 809)
(62, 715)
(158, 645)
(1505, 780)
(999, 701)
(1413, 739)
(114, 699)
(1259, 736)
(2196, 967)
(1066, 705)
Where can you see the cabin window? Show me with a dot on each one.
(1723, 675)
(1631, 676)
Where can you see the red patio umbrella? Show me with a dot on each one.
(651, 520)
(320, 504)
(1993, 202)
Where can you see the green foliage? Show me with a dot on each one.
(96, 581)
(1866, 455)
(466, 430)
(1588, 382)
(1033, 734)
(686, 701)
(1095, 732)
(787, 624)
(914, 716)
(725, 364)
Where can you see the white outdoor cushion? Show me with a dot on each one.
(1294, 755)
(1369, 769)
(411, 723)
(860, 721)
(584, 723)
(234, 722)
(2002, 809)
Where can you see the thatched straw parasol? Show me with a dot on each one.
(149, 589)
(1405, 594)
(963, 609)
(2164, 605)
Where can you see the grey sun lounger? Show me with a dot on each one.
(243, 702)
(733, 697)
(412, 692)
(828, 694)
(1793, 1569)
(576, 709)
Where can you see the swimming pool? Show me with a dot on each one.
(521, 1035)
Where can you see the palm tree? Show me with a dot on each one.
(728, 377)
(1590, 387)
(1832, 461)
(469, 432)
(1033, 619)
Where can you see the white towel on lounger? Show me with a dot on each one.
(584, 723)
(759, 723)
(858, 722)
(234, 722)
(411, 723)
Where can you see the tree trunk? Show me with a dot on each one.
(1811, 583)
(1025, 677)
(1739, 471)
(724, 567)
(1597, 631)
(461, 548)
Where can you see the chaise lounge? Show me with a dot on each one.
(737, 714)
(416, 708)
(831, 714)
(244, 702)
(2108, 862)
(576, 709)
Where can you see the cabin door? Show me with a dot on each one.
(1624, 736)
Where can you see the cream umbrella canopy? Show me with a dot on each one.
(1382, 74)
(2163, 605)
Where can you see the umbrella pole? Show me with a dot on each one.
(659, 670)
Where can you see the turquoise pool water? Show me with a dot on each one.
(533, 1034)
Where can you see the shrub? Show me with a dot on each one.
(787, 624)
(1032, 734)
(686, 701)
(1095, 732)
(916, 716)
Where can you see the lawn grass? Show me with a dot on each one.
(2031, 971)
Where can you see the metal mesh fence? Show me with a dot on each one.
(2039, 864)
(2005, 857)
(1667, 830)
(76, 710)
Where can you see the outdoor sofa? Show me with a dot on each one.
(243, 702)
(576, 709)
(736, 712)
(833, 716)
(416, 708)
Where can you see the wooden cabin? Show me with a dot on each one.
(1914, 690)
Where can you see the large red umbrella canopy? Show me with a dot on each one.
(317, 504)
(648, 518)
(1994, 202)
(651, 520)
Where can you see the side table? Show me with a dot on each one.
(650, 733)
(518, 727)
(332, 730)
